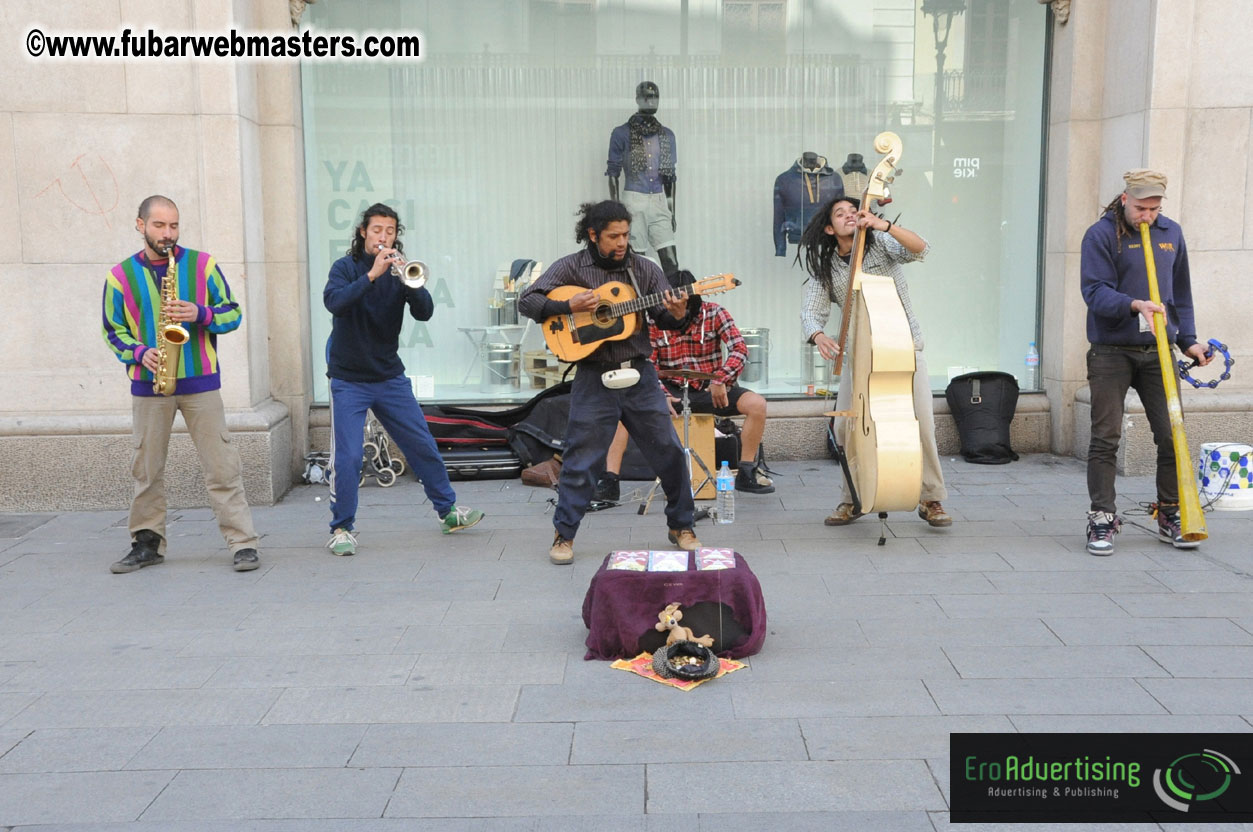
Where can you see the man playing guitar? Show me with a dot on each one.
(595, 406)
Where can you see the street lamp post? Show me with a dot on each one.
(941, 10)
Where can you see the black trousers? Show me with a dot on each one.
(595, 411)
(1111, 372)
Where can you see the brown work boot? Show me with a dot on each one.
(562, 551)
(685, 539)
(934, 514)
(842, 516)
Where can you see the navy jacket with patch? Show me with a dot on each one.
(1113, 273)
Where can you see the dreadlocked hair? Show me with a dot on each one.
(818, 249)
(1120, 222)
(595, 216)
(357, 247)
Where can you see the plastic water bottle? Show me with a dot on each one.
(1031, 377)
(726, 494)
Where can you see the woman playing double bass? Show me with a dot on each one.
(825, 250)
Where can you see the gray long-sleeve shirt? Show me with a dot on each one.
(884, 256)
(579, 269)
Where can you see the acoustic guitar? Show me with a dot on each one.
(576, 335)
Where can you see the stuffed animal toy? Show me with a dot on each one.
(668, 619)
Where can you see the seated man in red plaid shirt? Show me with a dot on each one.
(699, 347)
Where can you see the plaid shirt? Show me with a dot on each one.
(884, 256)
(697, 346)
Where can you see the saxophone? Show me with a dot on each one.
(170, 335)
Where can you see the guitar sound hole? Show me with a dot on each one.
(601, 315)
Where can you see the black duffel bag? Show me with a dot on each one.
(983, 406)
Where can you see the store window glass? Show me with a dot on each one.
(487, 147)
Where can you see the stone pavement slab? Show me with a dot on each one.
(393, 703)
(246, 793)
(248, 746)
(859, 786)
(139, 708)
(27, 799)
(75, 749)
(305, 825)
(774, 700)
(465, 744)
(1046, 696)
(891, 737)
(519, 790)
(1156, 631)
(667, 741)
(1053, 662)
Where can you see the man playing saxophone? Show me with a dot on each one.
(164, 307)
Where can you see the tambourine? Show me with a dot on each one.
(1184, 366)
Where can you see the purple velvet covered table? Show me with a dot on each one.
(622, 605)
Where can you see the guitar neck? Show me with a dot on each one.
(639, 304)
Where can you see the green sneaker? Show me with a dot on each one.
(459, 518)
(342, 543)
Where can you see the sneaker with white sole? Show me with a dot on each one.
(1102, 526)
(342, 543)
(1169, 529)
(458, 518)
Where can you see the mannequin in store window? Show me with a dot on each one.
(855, 175)
(798, 192)
(645, 149)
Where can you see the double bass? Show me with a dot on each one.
(882, 448)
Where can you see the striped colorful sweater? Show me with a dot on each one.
(132, 294)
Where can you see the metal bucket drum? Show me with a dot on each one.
(505, 309)
(757, 367)
(1224, 476)
(815, 369)
(502, 366)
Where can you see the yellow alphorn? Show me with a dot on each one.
(1191, 518)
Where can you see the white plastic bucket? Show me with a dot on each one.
(1224, 476)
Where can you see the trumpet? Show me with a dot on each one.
(413, 273)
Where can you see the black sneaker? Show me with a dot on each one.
(1168, 528)
(143, 553)
(608, 490)
(752, 481)
(1102, 526)
(246, 560)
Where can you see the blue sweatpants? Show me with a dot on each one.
(397, 409)
(595, 411)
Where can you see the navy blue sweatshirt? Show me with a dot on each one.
(368, 315)
(1113, 274)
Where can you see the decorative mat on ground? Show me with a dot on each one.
(642, 665)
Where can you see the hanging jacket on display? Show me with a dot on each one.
(798, 192)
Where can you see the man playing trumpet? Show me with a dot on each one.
(1123, 354)
(367, 296)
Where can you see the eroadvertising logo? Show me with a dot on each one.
(1194, 778)
(1075, 778)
